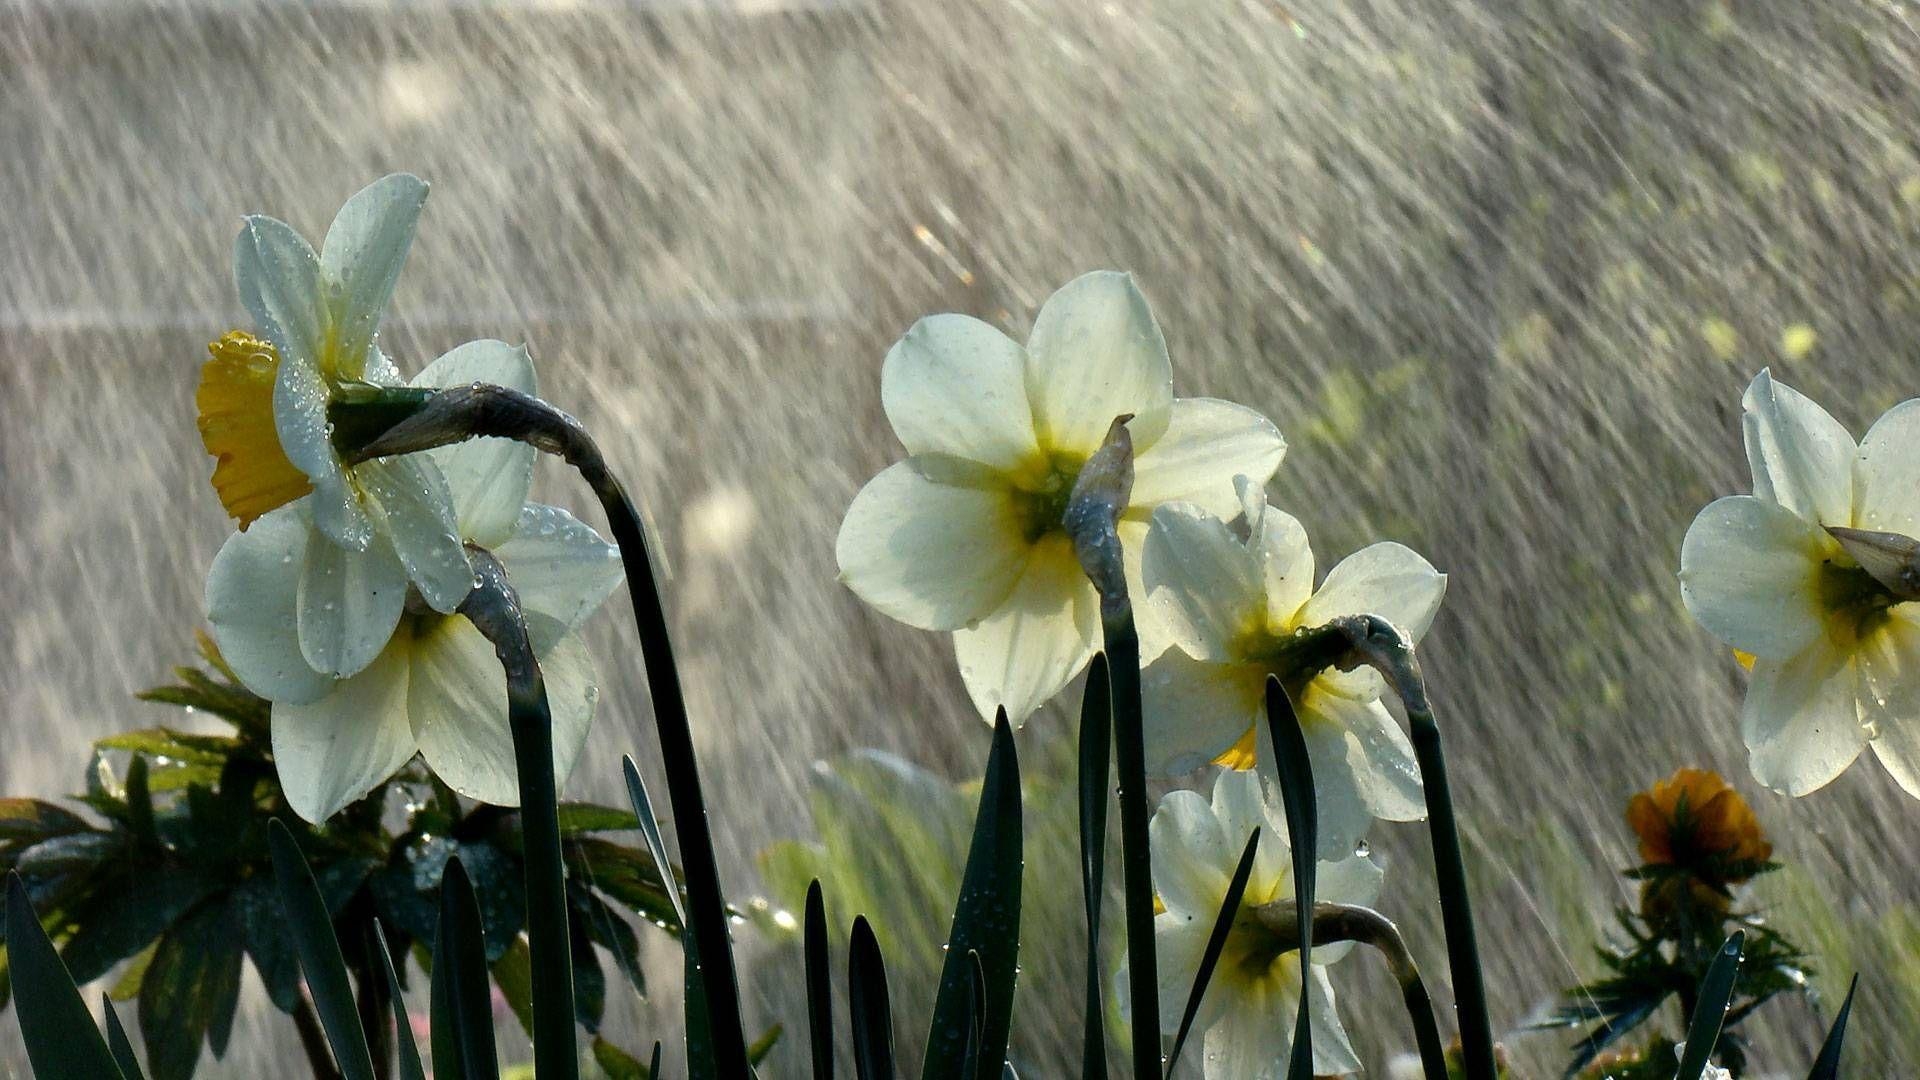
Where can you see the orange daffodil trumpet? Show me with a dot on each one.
(433, 685)
(966, 534)
(1814, 575)
(380, 528)
(1233, 605)
(1248, 1012)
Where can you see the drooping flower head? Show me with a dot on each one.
(1809, 575)
(264, 415)
(434, 685)
(1232, 605)
(1250, 1006)
(966, 535)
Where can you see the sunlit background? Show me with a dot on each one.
(1499, 272)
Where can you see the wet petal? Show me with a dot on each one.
(1286, 558)
(1251, 1037)
(1386, 579)
(1802, 458)
(1749, 572)
(1332, 1051)
(253, 589)
(417, 512)
(1801, 720)
(955, 385)
(1096, 353)
(361, 259)
(1889, 474)
(349, 604)
(1192, 860)
(1379, 754)
(1243, 803)
(300, 396)
(559, 565)
(932, 555)
(1206, 445)
(1890, 695)
(1179, 941)
(1338, 786)
(488, 478)
(278, 277)
(1194, 711)
(1204, 586)
(1026, 651)
(334, 750)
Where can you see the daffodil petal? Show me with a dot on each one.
(1333, 1053)
(1385, 579)
(1354, 880)
(279, 280)
(1252, 1036)
(1379, 753)
(1801, 720)
(1889, 473)
(559, 565)
(1286, 563)
(418, 513)
(300, 396)
(955, 385)
(1242, 803)
(1193, 711)
(1339, 787)
(1749, 571)
(1802, 458)
(1096, 353)
(489, 478)
(1889, 697)
(1204, 586)
(361, 259)
(334, 750)
(1179, 941)
(1207, 443)
(1192, 859)
(349, 604)
(933, 555)
(457, 704)
(1023, 654)
(252, 596)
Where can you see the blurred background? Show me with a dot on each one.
(1499, 272)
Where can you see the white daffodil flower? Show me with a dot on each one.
(965, 534)
(264, 416)
(1231, 606)
(1250, 1006)
(1832, 626)
(434, 685)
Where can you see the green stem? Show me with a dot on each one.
(313, 1040)
(494, 609)
(1130, 761)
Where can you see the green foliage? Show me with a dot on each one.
(171, 880)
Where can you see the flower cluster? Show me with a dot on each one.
(336, 600)
(969, 535)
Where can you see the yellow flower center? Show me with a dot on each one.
(251, 472)
(1290, 652)
(1856, 604)
(1041, 492)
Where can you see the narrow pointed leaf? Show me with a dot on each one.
(1216, 941)
(1710, 1011)
(702, 1062)
(411, 1067)
(461, 1005)
(1827, 1065)
(118, 1044)
(320, 959)
(54, 1022)
(650, 831)
(653, 1070)
(867, 1000)
(976, 1016)
(1130, 759)
(1096, 742)
(819, 984)
(986, 923)
(1303, 826)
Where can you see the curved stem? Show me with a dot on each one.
(1348, 922)
(494, 609)
(460, 413)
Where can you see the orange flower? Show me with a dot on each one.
(1694, 821)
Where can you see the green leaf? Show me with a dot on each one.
(269, 941)
(513, 974)
(61, 1040)
(175, 746)
(617, 1063)
(123, 920)
(576, 818)
(320, 958)
(1303, 827)
(30, 821)
(140, 803)
(118, 1044)
(872, 1015)
(410, 1065)
(589, 982)
(607, 929)
(759, 1048)
(189, 993)
(819, 984)
(1096, 741)
(1129, 743)
(1710, 1008)
(986, 920)
(1827, 1065)
(462, 1019)
(1216, 941)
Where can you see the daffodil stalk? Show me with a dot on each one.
(1092, 518)
(458, 413)
(494, 609)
